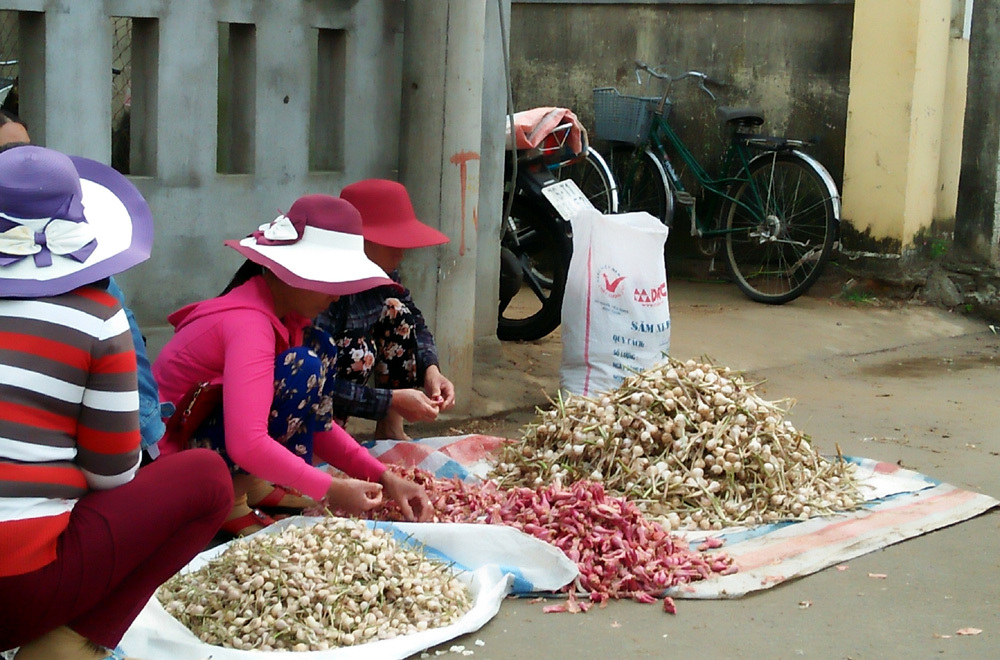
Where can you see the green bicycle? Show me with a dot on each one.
(774, 209)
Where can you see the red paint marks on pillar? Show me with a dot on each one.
(462, 159)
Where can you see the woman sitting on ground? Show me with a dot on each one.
(380, 333)
(254, 345)
(85, 535)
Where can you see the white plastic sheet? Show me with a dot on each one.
(491, 559)
(899, 504)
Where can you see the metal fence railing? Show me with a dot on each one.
(9, 51)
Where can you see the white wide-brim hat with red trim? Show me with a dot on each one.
(317, 245)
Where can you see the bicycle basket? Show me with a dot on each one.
(622, 118)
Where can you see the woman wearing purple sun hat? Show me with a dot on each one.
(79, 556)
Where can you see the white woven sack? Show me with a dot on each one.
(615, 314)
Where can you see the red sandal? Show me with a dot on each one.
(247, 523)
(275, 496)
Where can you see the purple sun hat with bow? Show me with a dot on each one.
(66, 221)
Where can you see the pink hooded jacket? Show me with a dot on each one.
(233, 340)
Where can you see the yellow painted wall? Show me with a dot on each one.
(899, 65)
(952, 130)
(927, 116)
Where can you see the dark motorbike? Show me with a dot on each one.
(545, 186)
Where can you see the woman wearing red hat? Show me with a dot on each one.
(253, 347)
(381, 331)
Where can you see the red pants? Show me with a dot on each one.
(121, 544)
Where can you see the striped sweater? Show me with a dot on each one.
(69, 419)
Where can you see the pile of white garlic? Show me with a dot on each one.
(334, 583)
(688, 442)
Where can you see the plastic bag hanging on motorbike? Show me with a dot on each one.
(615, 313)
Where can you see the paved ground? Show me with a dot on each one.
(902, 383)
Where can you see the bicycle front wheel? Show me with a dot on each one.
(780, 228)
(594, 178)
(642, 183)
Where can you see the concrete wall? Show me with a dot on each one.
(978, 235)
(897, 69)
(790, 59)
(207, 181)
(289, 124)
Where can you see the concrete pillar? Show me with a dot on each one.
(977, 227)
(956, 88)
(188, 80)
(491, 180)
(441, 130)
(895, 117)
(78, 80)
(145, 89)
(373, 63)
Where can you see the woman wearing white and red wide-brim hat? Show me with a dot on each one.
(255, 371)
(85, 536)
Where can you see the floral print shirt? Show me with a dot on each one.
(358, 313)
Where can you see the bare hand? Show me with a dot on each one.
(413, 406)
(411, 497)
(438, 388)
(352, 496)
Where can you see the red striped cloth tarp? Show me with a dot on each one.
(900, 504)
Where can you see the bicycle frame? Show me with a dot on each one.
(736, 159)
(777, 209)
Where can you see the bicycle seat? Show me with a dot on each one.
(742, 116)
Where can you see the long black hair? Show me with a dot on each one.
(246, 271)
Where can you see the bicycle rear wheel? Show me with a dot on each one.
(778, 243)
(642, 183)
(535, 253)
(594, 178)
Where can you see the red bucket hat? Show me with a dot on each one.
(387, 215)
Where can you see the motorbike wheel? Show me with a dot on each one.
(541, 251)
(595, 179)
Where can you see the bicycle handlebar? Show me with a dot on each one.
(703, 78)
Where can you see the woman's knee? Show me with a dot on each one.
(312, 366)
(209, 471)
(301, 369)
(217, 477)
(299, 360)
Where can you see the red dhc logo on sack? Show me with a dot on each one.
(652, 297)
(611, 282)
